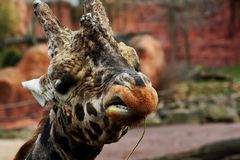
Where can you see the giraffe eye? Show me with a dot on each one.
(63, 84)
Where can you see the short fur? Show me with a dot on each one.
(93, 88)
(27, 146)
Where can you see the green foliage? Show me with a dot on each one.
(8, 20)
(16, 133)
(9, 57)
(232, 70)
(209, 88)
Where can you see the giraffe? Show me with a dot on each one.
(92, 92)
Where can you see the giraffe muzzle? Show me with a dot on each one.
(131, 104)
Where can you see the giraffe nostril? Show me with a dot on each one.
(139, 82)
(128, 80)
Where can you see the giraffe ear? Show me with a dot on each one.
(130, 55)
(34, 86)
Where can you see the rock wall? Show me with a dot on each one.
(151, 55)
(208, 34)
(16, 103)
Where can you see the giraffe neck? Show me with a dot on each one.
(53, 143)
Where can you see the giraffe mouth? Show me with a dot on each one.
(129, 106)
(117, 109)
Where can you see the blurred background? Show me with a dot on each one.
(190, 49)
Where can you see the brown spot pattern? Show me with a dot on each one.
(106, 121)
(79, 112)
(91, 134)
(91, 110)
(96, 127)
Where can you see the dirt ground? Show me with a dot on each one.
(158, 141)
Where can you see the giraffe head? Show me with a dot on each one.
(93, 82)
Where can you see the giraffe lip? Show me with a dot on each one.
(121, 112)
(116, 104)
(116, 101)
(116, 108)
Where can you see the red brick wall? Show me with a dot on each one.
(209, 45)
(64, 16)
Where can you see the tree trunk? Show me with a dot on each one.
(234, 22)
